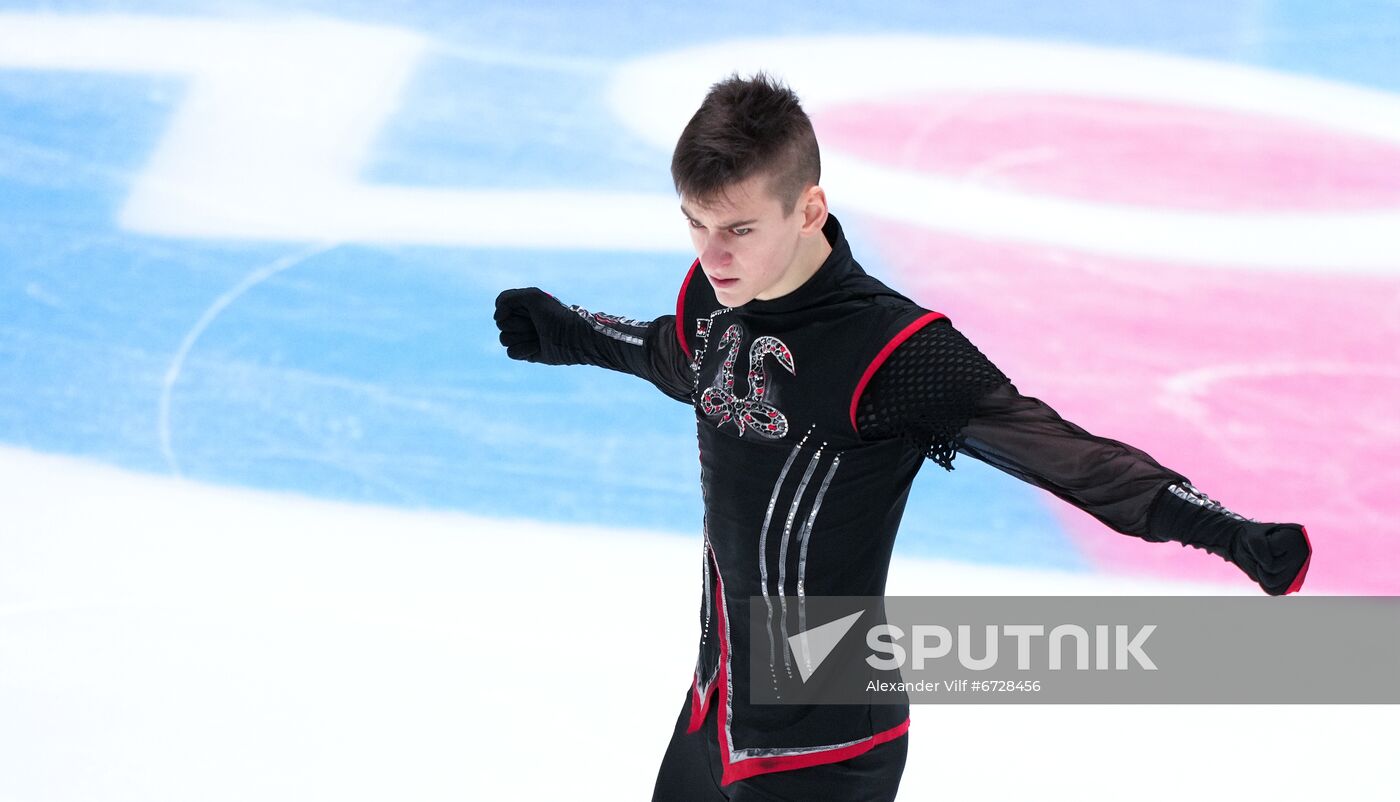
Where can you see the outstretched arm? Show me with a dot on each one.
(942, 394)
(536, 327)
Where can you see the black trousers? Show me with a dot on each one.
(691, 769)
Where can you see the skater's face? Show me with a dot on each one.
(750, 246)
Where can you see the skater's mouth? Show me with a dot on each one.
(723, 282)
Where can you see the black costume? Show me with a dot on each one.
(814, 412)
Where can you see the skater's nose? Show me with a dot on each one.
(714, 253)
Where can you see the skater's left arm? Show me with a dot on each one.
(939, 392)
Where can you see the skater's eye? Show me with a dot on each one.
(694, 223)
(739, 232)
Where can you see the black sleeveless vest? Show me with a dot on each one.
(795, 501)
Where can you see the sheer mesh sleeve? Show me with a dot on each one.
(940, 393)
(1112, 481)
(1126, 489)
(927, 391)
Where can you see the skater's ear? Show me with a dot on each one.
(812, 205)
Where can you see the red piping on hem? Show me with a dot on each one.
(1302, 572)
(680, 311)
(885, 354)
(765, 765)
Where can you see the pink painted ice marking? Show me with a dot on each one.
(1137, 153)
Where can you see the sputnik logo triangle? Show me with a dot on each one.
(812, 646)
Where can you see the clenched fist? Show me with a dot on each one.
(536, 327)
(1274, 555)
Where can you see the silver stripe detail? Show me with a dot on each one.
(705, 553)
(1191, 494)
(782, 556)
(702, 683)
(608, 330)
(704, 686)
(802, 557)
(705, 566)
(745, 754)
(763, 551)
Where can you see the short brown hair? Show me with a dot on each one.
(747, 127)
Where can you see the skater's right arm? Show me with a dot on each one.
(940, 393)
(537, 327)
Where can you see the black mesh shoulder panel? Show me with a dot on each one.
(927, 391)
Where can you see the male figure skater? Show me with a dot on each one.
(818, 392)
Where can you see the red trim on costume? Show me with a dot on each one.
(765, 765)
(680, 311)
(733, 772)
(885, 354)
(1302, 572)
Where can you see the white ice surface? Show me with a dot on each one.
(166, 640)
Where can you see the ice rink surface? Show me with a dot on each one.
(280, 516)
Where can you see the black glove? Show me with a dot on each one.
(1275, 555)
(536, 327)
